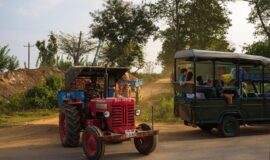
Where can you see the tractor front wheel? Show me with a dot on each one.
(145, 145)
(69, 126)
(93, 147)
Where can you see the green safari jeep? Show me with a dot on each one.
(206, 98)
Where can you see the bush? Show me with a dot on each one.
(40, 97)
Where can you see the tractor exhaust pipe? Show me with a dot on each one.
(106, 77)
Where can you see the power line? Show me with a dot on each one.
(29, 46)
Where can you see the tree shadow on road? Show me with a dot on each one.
(197, 134)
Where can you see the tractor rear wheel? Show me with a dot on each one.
(93, 147)
(69, 126)
(145, 145)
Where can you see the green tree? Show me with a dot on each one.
(191, 24)
(4, 58)
(63, 64)
(261, 48)
(76, 47)
(46, 57)
(7, 62)
(126, 28)
(260, 16)
(13, 63)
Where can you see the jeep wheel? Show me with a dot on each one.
(229, 127)
(69, 126)
(145, 145)
(93, 147)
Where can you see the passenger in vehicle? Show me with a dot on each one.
(209, 82)
(218, 87)
(200, 81)
(190, 82)
(182, 78)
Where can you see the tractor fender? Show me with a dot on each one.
(236, 114)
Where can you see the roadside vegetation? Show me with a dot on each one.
(162, 107)
(38, 102)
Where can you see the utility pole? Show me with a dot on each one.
(29, 46)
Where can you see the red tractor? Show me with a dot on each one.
(88, 103)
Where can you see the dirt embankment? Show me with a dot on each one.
(19, 81)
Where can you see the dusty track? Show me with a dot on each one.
(155, 88)
(39, 140)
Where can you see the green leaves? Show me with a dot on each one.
(46, 57)
(191, 24)
(13, 63)
(261, 48)
(7, 62)
(126, 28)
(260, 16)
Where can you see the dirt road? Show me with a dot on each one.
(39, 141)
(155, 88)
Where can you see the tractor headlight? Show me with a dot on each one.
(106, 114)
(137, 112)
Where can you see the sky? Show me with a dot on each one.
(24, 21)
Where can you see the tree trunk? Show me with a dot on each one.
(262, 22)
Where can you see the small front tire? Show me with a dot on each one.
(145, 145)
(93, 147)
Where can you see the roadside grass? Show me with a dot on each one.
(163, 108)
(16, 118)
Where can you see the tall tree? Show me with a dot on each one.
(46, 57)
(260, 16)
(191, 24)
(75, 47)
(126, 28)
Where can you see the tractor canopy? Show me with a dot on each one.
(77, 72)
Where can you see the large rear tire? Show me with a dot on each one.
(145, 145)
(93, 147)
(229, 127)
(69, 126)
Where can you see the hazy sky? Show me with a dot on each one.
(25, 21)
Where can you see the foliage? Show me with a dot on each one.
(63, 64)
(191, 24)
(13, 63)
(261, 48)
(46, 57)
(7, 62)
(4, 59)
(260, 16)
(75, 47)
(126, 28)
(38, 97)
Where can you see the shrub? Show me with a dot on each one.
(39, 97)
